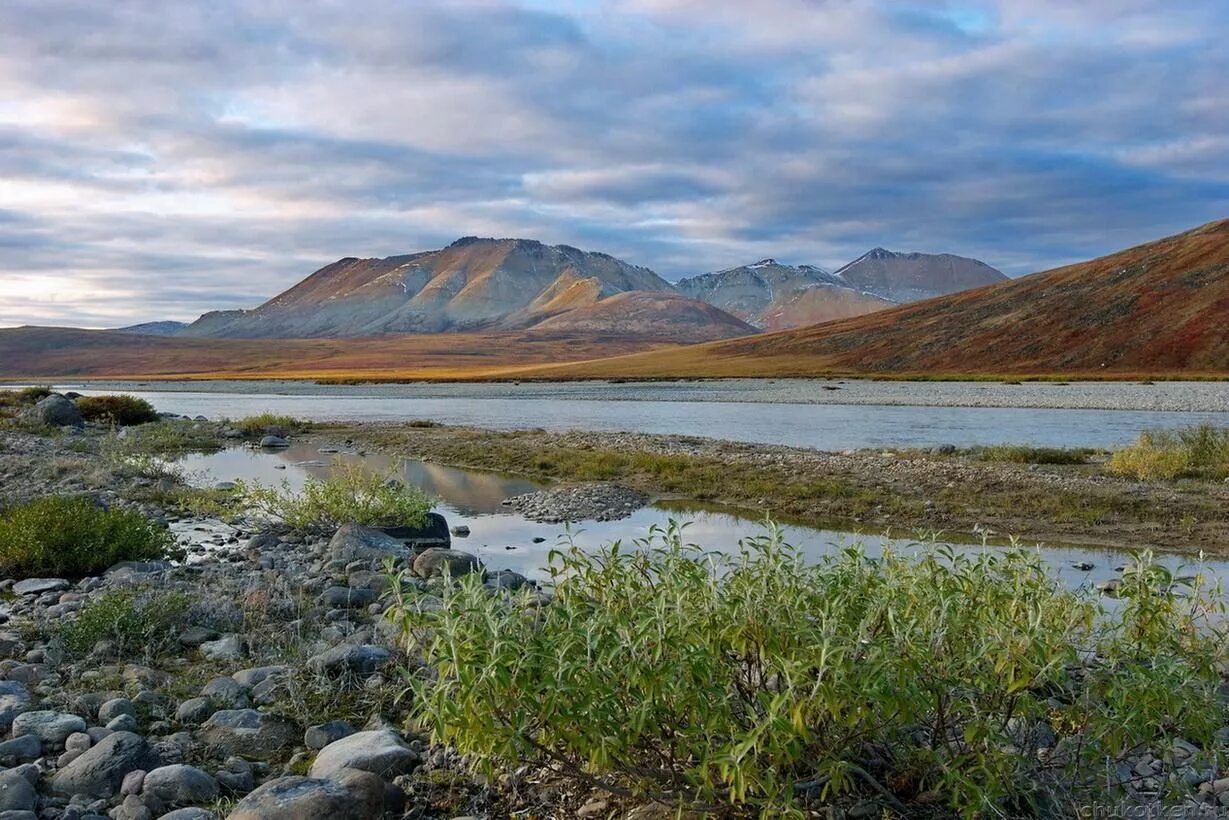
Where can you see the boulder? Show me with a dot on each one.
(347, 597)
(195, 710)
(382, 752)
(351, 796)
(113, 708)
(248, 733)
(274, 442)
(52, 728)
(434, 563)
(16, 793)
(20, 750)
(190, 813)
(99, 771)
(354, 542)
(362, 659)
(171, 787)
(226, 693)
(55, 411)
(433, 533)
(255, 675)
(14, 699)
(37, 586)
(322, 734)
(226, 648)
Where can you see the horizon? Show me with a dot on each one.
(162, 162)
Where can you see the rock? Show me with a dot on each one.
(174, 786)
(248, 733)
(52, 728)
(226, 648)
(134, 570)
(190, 813)
(506, 579)
(122, 723)
(433, 533)
(133, 808)
(351, 796)
(16, 793)
(256, 675)
(435, 562)
(115, 707)
(194, 636)
(132, 783)
(14, 699)
(354, 542)
(322, 734)
(363, 659)
(382, 752)
(460, 531)
(194, 711)
(274, 442)
(55, 411)
(335, 597)
(21, 749)
(226, 693)
(37, 586)
(100, 771)
(78, 742)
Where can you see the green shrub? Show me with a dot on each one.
(23, 397)
(122, 411)
(132, 620)
(350, 493)
(1019, 454)
(1196, 452)
(57, 535)
(757, 681)
(268, 424)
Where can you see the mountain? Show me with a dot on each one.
(910, 277)
(167, 328)
(646, 315)
(1160, 308)
(771, 296)
(473, 284)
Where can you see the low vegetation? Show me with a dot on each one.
(1194, 452)
(266, 424)
(757, 683)
(23, 397)
(120, 411)
(57, 535)
(131, 621)
(1021, 454)
(350, 493)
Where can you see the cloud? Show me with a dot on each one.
(160, 160)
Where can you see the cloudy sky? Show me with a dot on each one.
(161, 159)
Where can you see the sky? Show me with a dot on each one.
(158, 160)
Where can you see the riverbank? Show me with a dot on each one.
(903, 490)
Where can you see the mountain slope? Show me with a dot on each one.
(471, 284)
(909, 277)
(1159, 308)
(165, 328)
(771, 296)
(640, 314)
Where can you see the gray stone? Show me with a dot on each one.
(382, 752)
(21, 749)
(194, 636)
(249, 733)
(334, 597)
(433, 563)
(322, 734)
(115, 707)
(226, 693)
(16, 793)
(53, 728)
(14, 699)
(226, 648)
(351, 796)
(354, 542)
(433, 533)
(37, 586)
(362, 659)
(274, 442)
(189, 813)
(78, 742)
(122, 723)
(195, 710)
(506, 579)
(100, 771)
(248, 678)
(55, 411)
(170, 787)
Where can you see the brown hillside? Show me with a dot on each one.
(1158, 308)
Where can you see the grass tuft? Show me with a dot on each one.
(349, 493)
(1195, 452)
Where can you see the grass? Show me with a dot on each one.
(760, 685)
(24, 397)
(1020, 454)
(121, 411)
(132, 621)
(349, 493)
(1194, 452)
(266, 424)
(56, 535)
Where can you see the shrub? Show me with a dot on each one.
(759, 682)
(133, 620)
(267, 424)
(122, 411)
(350, 493)
(1201, 451)
(57, 535)
(23, 397)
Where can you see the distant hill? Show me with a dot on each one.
(473, 284)
(1159, 308)
(167, 328)
(910, 277)
(772, 296)
(641, 314)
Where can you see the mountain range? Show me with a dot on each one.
(488, 285)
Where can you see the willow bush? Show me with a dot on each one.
(1194, 452)
(756, 682)
(349, 493)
